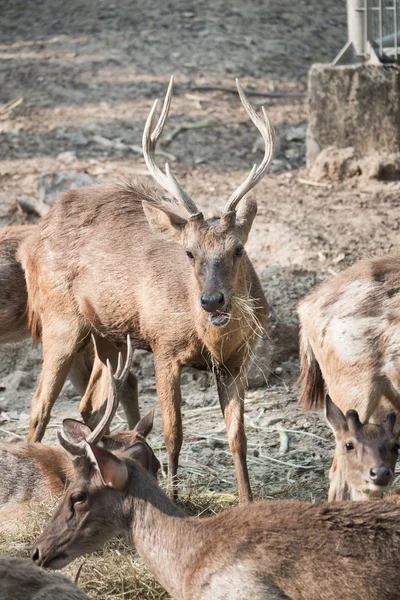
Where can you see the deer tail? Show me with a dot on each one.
(311, 378)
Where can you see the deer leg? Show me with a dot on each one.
(231, 397)
(93, 403)
(169, 395)
(59, 348)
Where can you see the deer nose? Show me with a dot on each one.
(212, 303)
(36, 556)
(381, 475)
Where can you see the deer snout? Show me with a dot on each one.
(212, 303)
(381, 476)
(36, 556)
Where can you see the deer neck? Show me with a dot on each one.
(159, 531)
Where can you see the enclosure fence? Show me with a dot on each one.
(373, 32)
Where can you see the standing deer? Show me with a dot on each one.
(365, 455)
(268, 550)
(87, 372)
(118, 260)
(350, 339)
(21, 580)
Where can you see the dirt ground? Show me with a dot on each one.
(88, 72)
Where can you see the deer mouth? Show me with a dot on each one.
(55, 562)
(219, 318)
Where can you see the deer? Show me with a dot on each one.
(273, 549)
(365, 455)
(124, 259)
(349, 339)
(87, 372)
(20, 579)
(34, 471)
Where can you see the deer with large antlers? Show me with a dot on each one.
(33, 471)
(87, 373)
(269, 550)
(118, 260)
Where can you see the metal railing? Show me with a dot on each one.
(373, 32)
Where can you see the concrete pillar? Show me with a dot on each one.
(357, 105)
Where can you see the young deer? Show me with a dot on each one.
(350, 339)
(365, 455)
(20, 579)
(276, 550)
(32, 471)
(87, 372)
(180, 285)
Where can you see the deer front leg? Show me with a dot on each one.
(231, 391)
(168, 375)
(60, 341)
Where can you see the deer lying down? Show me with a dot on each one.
(179, 284)
(267, 550)
(350, 339)
(87, 373)
(365, 455)
(21, 580)
(33, 471)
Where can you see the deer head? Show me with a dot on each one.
(214, 247)
(365, 454)
(93, 501)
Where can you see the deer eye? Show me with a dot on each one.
(78, 498)
(239, 251)
(189, 255)
(349, 446)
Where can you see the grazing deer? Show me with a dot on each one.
(118, 260)
(350, 339)
(87, 372)
(276, 550)
(20, 579)
(32, 471)
(365, 455)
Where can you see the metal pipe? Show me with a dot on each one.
(356, 26)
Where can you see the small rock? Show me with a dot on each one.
(296, 133)
(278, 371)
(78, 139)
(66, 157)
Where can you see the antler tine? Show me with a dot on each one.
(149, 143)
(115, 386)
(265, 128)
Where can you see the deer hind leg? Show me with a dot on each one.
(93, 403)
(168, 376)
(61, 339)
(231, 391)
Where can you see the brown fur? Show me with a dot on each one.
(95, 265)
(269, 550)
(18, 322)
(350, 327)
(362, 450)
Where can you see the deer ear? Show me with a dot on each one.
(246, 212)
(163, 221)
(75, 431)
(145, 456)
(113, 471)
(145, 425)
(334, 416)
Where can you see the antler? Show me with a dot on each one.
(151, 136)
(257, 172)
(117, 382)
